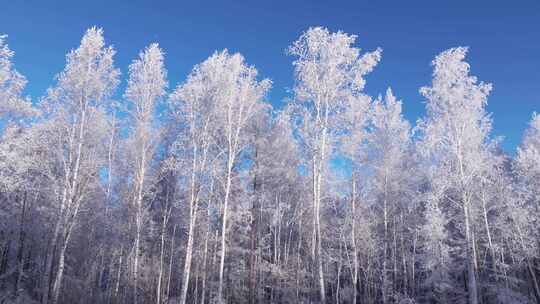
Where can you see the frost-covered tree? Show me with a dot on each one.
(329, 73)
(235, 96)
(525, 210)
(277, 211)
(73, 105)
(435, 259)
(528, 161)
(194, 103)
(455, 138)
(352, 144)
(13, 106)
(388, 150)
(146, 85)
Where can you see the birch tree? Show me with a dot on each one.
(527, 163)
(146, 85)
(526, 209)
(17, 157)
(85, 84)
(353, 144)
(387, 156)
(236, 95)
(194, 104)
(456, 138)
(13, 106)
(329, 72)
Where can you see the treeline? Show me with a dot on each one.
(202, 193)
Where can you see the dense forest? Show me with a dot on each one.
(205, 193)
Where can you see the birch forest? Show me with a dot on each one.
(120, 187)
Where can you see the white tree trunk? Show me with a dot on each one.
(70, 218)
(224, 226)
(193, 208)
(189, 256)
(171, 254)
(59, 275)
(141, 171)
(353, 241)
(488, 232)
(205, 257)
(471, 276)
(385, 246)
(117, 288)
(159, 291)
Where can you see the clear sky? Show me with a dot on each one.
(503, 36)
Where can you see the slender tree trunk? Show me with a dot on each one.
(59, 273)
(171, 254)
(161, 257)
(224, 225)
(136, 257)
(504, 269)
(189, 255)
(403, 256)
(141, 172)
(20, 253)
(117, 288)
(488, 232)
(193, 208)
(196, 289)
(205, 255)
(319, 255)
(394, 256)
(318, 192)
(71, 203)
(353, 240)
(536, 287)
(110, 159)
(213, 265)
(471, 276)
(413, 264)
(385, 246)
(4, 258)
(298, 260)
(314, 224)
(51, 254)
(253, 241)
(338, 272)
(530, 268)
(66, 237)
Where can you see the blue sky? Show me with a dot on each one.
(503, 36)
